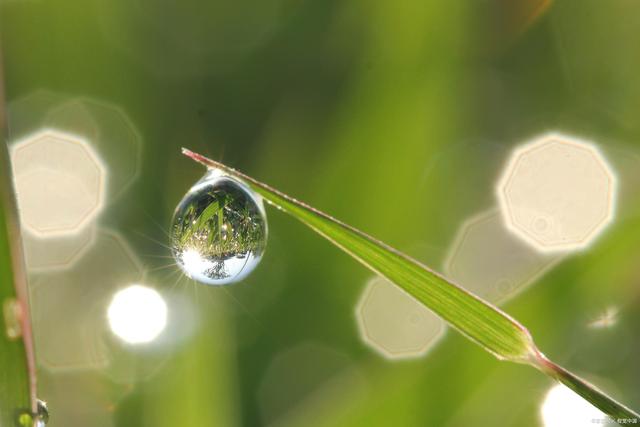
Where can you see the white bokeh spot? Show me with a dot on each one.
(557, 193)
(137, 314)
(60, 183)
(562, 407)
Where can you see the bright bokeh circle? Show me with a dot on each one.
(562, 407)
(137, 314)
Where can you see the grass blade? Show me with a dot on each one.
(17, 367)
(481, 322)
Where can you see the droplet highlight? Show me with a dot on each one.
(219, 230)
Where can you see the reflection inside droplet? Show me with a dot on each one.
(219, 230)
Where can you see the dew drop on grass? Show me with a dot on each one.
(42, 417)
(219, 230)
(38, 419)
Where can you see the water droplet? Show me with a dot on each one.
(38, 419)
(42, 417)
(219, 230)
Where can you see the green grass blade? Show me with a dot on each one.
(480, 321)
(17, 379)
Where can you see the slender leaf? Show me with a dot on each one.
(478, 320)
(17, 382)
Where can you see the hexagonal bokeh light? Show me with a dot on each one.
(562, 407)
(393, 323)
(557, 193)
(488, 260)
(61, 252)
(106, 127)
(60, 183)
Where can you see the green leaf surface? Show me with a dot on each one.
(480, 321)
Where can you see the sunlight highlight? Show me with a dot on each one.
(564, 408)
(137, 314)
(194, 262)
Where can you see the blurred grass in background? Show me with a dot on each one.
(395, 117)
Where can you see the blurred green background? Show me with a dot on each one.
(396, 117)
